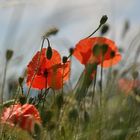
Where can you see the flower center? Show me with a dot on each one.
(45, 73)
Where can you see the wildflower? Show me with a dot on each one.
(97, 50)
(51, 72)
(25, 116)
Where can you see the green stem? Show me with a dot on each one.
(63, 79)
(94, 31)
(94, 84)
(3, 83)
(37, 67)
(101, 92)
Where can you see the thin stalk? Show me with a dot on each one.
(37, 68)
(63, 79)
(45, 95)
(94, 84)
(3, 83)
(101, 94)
(94, 31)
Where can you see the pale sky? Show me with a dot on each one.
(23, 22)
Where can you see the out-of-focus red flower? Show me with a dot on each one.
(96, 50)
(24, 116)
(127, 85)
(51, 73)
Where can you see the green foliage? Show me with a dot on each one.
(13, 133)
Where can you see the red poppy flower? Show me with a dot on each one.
(128, 85)
(97, 49)
(24, 116)
(51, 73)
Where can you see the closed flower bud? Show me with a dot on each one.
(65, 58)
(9, 54)
(22, 99)
(49, 52)
(52, 31)
(20, 80)
(104, 29)
(103, 19)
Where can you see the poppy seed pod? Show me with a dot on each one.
(9, 54)
(49, 52)
(103, 19)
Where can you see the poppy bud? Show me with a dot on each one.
(30, 100)
(9, 54)
(49, 52)
(52, 31)
(103, 19)
(71, 50)
(104, 29)
(65, 58)
(20, 80)
(22, 99)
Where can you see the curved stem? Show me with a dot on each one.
(94, 31)
(48, 42)
(37, 67)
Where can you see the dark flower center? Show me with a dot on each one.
(112, 54)
(100, 49)
(45, 73)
